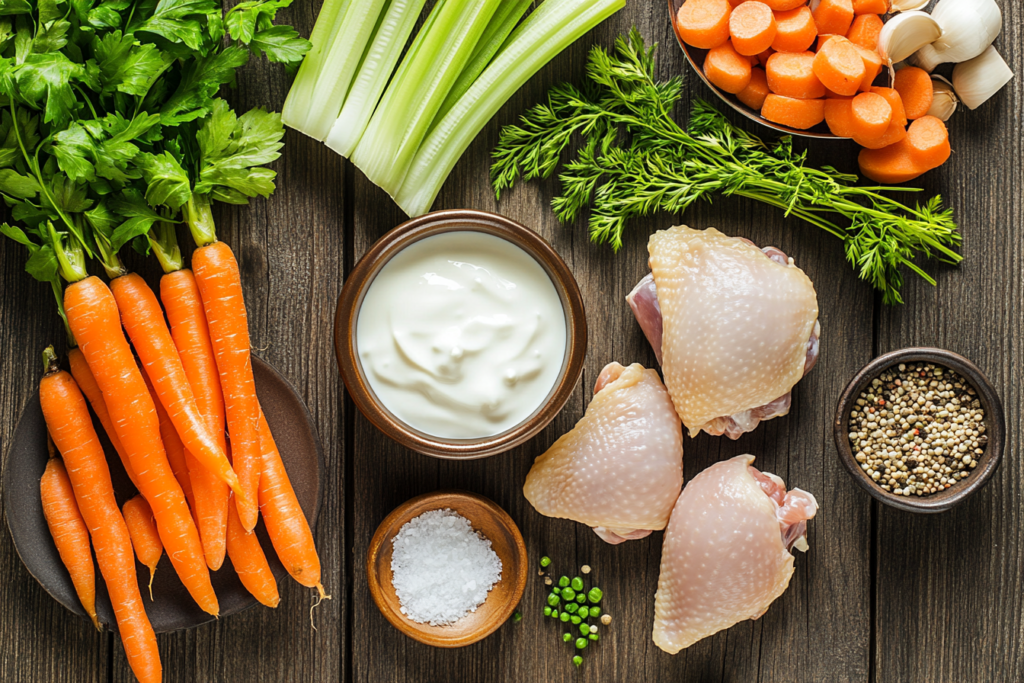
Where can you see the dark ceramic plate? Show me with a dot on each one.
(172, 608)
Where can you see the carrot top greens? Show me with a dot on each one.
(112, 130)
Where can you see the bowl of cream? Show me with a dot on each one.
(460, 334)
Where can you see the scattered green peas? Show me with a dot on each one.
(577, 660)
(564, 581)
(554, 613)
(556, 590)
(564, 616)
(572, 607)
(545, 561)
(547, 611)
(595, 595)
(567, 637)
(577, 584)
(581, 598)
(595, 612)
(584, 629)
(568, 593)
(593, 636)
(553, 600)
(574, 619)
(516, 618)
(581, 643)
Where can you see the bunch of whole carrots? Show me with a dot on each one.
(112, 133)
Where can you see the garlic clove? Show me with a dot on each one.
(968, 27)
(905, 34)
(978, 79)
(907, 5)
(944, 99)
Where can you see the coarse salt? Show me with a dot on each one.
(442, 569)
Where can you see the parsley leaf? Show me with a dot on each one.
(138, 214)
(167, 182)
(179, 20)
(8, 7)
(200, 81)
(233, 150)
(47, 78)
(17, 185)
(280, 44)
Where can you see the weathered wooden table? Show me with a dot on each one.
(880, 596)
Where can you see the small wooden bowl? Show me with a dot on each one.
(487, 518)
(359, 281)
(995, 429)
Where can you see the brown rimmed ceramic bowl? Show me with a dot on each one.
(695, 56)
(995, 429)
(506, 541)
(362, 276)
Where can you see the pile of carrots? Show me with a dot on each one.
(201, 492)
(800, 68)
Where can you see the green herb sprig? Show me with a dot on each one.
(635, 159)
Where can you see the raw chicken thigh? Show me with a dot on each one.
(733, 326)
(620, 469)
(726, 555)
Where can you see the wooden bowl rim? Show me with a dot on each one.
(994, 420)
(377, 257)
(729, 99)
(390, 526)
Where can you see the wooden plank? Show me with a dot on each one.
(826, 608)
(949, 591)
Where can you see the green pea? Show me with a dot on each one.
(564, 581)
(593, 636)
(577, 660)
(547, 611)
(585, 629)
(572, 607)
(595, 612)
(580, 598)
(595, 595)
(545, 561)
(574, 619)
(577, 584)
(581, 643)
(564, 616)
(554, 613)
(516, 618)
(556, 590)
(569, 594)
(567, 637)
(553, 600)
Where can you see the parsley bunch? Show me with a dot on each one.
(111, 129)
(635, 160)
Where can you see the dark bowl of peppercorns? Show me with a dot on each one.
(920, 429)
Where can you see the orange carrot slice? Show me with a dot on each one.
(864, 30)
(704, 23)
(752, 27)
(784, 5)
(928, 142)
(834, 16)
(839, 117)
(899, 114)
(791, 74)
(792, 112)
(889, 165)
(726, 68)
(762, 57)
(795, 30)
(872, 66)
(870, 114)
(755, 92)
(915, 88)
(862, 7)
(839, 66)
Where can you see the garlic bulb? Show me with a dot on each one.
(980, 78)
(907, 5)
(968, 27)
(905, 34)
(944, 99)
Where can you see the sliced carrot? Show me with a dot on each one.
(69, 532)
(793, 112)
(762, 57)
(704, 23)
(889, 165)
(755, 92)
(833, 16)
(915, 88)
(736, 3)
(791, 74)
(839, 66)
(145, 538)
(864, 30)
(824, 38)
(726, 68)
(862, 7)
(829, 95)
(871, 114)
(872, 66)
(795, 30)
(928, 142)
(784, 5)
(899, 114)
(752, 27)
(839, 116)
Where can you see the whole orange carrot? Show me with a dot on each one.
(286, 524)
(69, 533)
(144, 321)
(180, 296)
(145, 538)
(87, 383)
(175, 450)
(68, 420)
(220, 286)
(94, 321)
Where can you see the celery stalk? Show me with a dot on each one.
(344, 50)
(419, 87)
(555, 25)
(296, 111)
(502, 24)
(378, 64)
